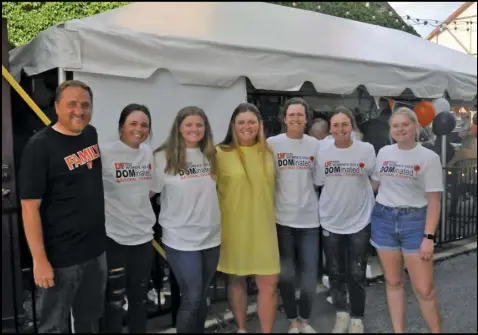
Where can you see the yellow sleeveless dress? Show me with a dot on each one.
(249, 236)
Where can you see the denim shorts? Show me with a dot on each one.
(398, 228)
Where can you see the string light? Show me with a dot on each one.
(459, 25)
(436, 23)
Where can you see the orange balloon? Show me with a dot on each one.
(391, 104)
(425, 113)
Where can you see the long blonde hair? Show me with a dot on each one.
(231, 143)
(175, 150)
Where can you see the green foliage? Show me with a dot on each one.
(375, 13)
(27, 19)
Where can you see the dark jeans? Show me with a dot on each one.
(79, 287)
(129, 273)
(194, 271)
(347, 264)
(306, 242)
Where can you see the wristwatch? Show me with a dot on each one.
(429, 236)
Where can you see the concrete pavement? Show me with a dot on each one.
(456, 284)
(455, 277)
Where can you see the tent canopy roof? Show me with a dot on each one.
(276, 47)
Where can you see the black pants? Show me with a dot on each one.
(129, 273)
(347, 265)
(79, 287)
(306, 242)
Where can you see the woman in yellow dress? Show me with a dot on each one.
(245, 180)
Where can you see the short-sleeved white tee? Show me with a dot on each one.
(296, 202)
(189, 215)
(406, 176)
(127, 181)
(347, 199)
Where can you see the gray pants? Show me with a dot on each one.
(79, 287)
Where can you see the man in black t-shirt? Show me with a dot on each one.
(61, 192)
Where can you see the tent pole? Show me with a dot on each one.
(61, 76)
(444, 195)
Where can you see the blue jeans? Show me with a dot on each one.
(306, 242)
(194, 271)
(398, 228)
(79, 287)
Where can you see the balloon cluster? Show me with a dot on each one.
(437, 112)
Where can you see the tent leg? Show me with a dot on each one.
(444, 195)
(61, 75)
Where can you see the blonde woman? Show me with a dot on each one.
(185, 176)
(404, 220)
(245, 177)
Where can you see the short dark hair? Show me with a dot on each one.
(296, 101)
(474, 119)
(72, 83)
(130, 109)
(347, 112)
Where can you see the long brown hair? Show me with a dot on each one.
(231, 143)
(175, 150)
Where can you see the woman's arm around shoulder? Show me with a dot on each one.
(375, 177)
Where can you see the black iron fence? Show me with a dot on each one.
(461, 222)
(460, 203)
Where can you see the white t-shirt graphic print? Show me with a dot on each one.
(347, 199)
(406, 176)
(189, 215)
(296, 202)
(127, 181)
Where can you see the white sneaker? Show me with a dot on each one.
(356, 326)
(342, 321)
(368, 272)
(325, 281)
(125, 305)
(330, 300)
(153, 296)
(293, 330)
(305, 328)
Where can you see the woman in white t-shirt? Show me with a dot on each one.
(184, 174)
(127, 180)
(409, 182)
(345, 206)
(296, 211)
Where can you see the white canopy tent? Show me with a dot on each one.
(278, 48)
